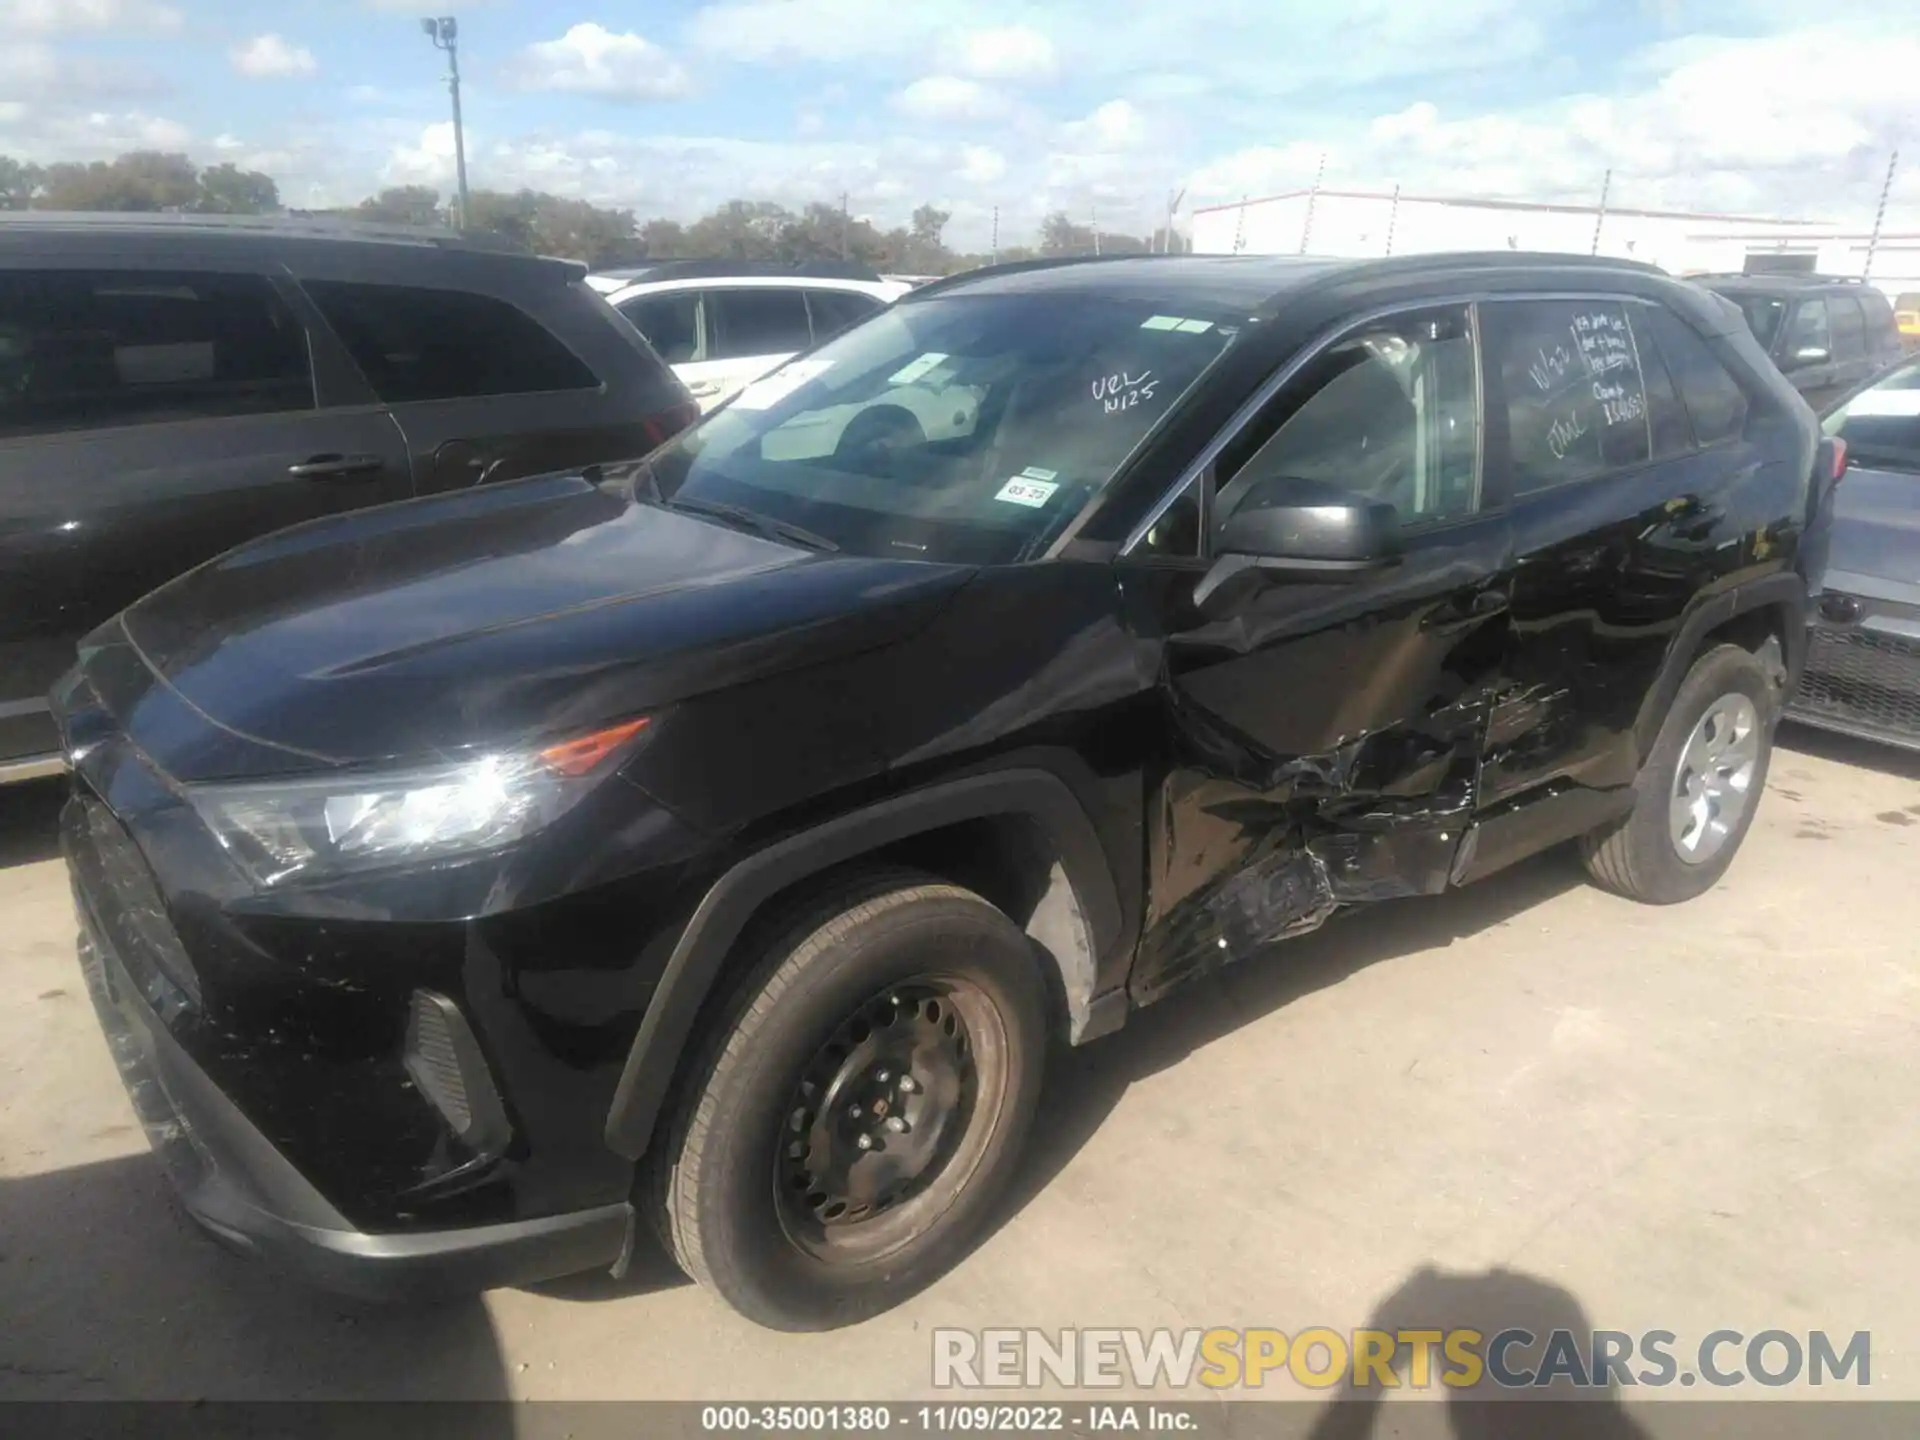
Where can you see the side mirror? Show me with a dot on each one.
(1292, 529)
(1811, 355)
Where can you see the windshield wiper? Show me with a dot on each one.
(743, 518)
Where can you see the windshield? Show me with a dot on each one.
(1763, 314)
(1881, 424)
(962, 428)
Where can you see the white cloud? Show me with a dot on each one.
(592, 60)
(269, 57)
(949, 97)
(54, 17)
(842, 32)
(981, 164)
(429, 160)
(1116, 125)
(1014, 52)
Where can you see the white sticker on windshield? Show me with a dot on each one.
(1034, 472)
(765, 393)
(914, 369)
(1902, 404)
(1031, 493)
(1174, 322)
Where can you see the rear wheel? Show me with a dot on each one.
(861, 1108)
(1698, 789)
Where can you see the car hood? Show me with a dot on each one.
(1876, 528)
(524, 609)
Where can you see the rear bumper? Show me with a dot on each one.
(234, 1182)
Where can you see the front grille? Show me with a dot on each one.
(117, 887)
(1861, 679)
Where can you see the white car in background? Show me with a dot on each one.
(722, 325)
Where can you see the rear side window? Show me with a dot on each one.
(1849, 327)
(87, 349)
(1808, 333)
(1667, 425)
(760, 321)
(1880, 330)
(837, 310)
(1714, 400)
(416, 344)
(671, 323)
(1576, 400)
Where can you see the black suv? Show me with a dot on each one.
(720, 837)
(1828, 336)
(172, 386)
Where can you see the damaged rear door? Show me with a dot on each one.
(1324, 740)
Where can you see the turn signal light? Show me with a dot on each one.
(583, 754)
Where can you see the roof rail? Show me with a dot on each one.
(1778, 277)
(293, 225)
(1015, 267)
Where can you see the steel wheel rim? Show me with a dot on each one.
(1713, 785)
(919, 1069)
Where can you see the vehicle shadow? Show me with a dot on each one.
(1083, 1085)
(30, 821)
(111, 1293)
(1488, 1302)
(1849, 750)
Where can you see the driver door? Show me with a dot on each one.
(1325, 738)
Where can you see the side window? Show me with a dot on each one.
(671, 323)
(86, 349)
(1848, 327)
(1390, 412)
(765, 320)
(417, 344)
(1715, 402)
(1808, 338)
(1176, 534)
(837, 310)
(1881, 334)
(1576, 401)
(1667, 424)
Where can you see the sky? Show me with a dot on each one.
(1102, 108)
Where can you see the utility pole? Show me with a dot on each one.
(1879, 217)
(1173, 208)
(995, 258)
(843, 224)
(1606, 184)
(1393, 216)
(1093, 214)
(1313, 195)
(1240, 226)
(444, 31)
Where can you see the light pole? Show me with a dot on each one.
(444, 31)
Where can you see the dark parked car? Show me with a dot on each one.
(172, 386)
(1826, 335)
(720, 837)
(1863, 658)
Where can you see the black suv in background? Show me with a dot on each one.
(719, 837)
(1828, 336)
(172, 386)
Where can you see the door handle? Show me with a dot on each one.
(705, 389)
(326, 467)
(1459, 614)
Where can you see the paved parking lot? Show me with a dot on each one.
(1571, 1106)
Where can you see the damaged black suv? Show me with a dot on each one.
(719, 838)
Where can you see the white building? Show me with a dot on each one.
(1368, 222)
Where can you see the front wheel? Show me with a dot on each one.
(861, 1108)
(1699, 788)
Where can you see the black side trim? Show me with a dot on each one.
(1534, 823)
(1787, 589)
(731, 903)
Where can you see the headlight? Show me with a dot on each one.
(279, 830)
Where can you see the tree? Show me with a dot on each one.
(139, 180)
(18, 182)
(229, 190)
(1060, 236)
(552, 225)
(403, 205)
(663, 239)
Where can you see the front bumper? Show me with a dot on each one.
(1862, 674)
(233, 1181)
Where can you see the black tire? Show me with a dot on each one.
(877, 956)
(1637, 856)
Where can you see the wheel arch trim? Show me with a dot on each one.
(1079, 919)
